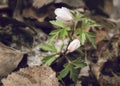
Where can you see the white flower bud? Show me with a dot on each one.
(75, 44)
(63, 14)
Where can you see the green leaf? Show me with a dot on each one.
(74, 74)
(52, 39)
(60, 32)
(53, 35)
(49, 59)
(78, 15)
(67, 28)
(48, 47)
(78, 31)
(54, 32)
(64, 32)
(65, 71)
(57, 23)
(87, 22)
(82, 37)
(79, 63)
(91, 38)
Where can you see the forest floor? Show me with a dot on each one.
(21, 33)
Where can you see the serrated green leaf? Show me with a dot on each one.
(87, 22)
(57, 23)
(74, 74)
(78, 31)
(78, 63)
(64, 32)
(48, 47)
(67, 28)
(60, 32)
(65, 71)
(91, 38)
(78, 16)
(82, 35)
(54, 32)
(52, 39)
(53, 35)
(82, 38)
(49, 59)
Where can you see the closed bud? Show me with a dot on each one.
(75, 44)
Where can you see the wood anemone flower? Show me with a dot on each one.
(63, 14)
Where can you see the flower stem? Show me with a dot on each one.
(73, 30)
(70, 37)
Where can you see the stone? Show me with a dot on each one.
(32, 76)
(115, 14)
(73, 3)
(41, 3)
(9, 59)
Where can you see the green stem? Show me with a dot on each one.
(74, 27)
(70, 36)
(67, 59)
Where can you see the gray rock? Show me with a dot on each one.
(116, 10)
(32, 76)
(73, 3)
(41, 3)
(9, 59)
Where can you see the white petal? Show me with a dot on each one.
(67, 13)
(58, 11)
(59, 18)
(64, 14)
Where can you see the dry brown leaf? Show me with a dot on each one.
(96, 68)
(111, 81)
(100, 35)
(29, 12)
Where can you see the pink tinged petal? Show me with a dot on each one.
(75, 44)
